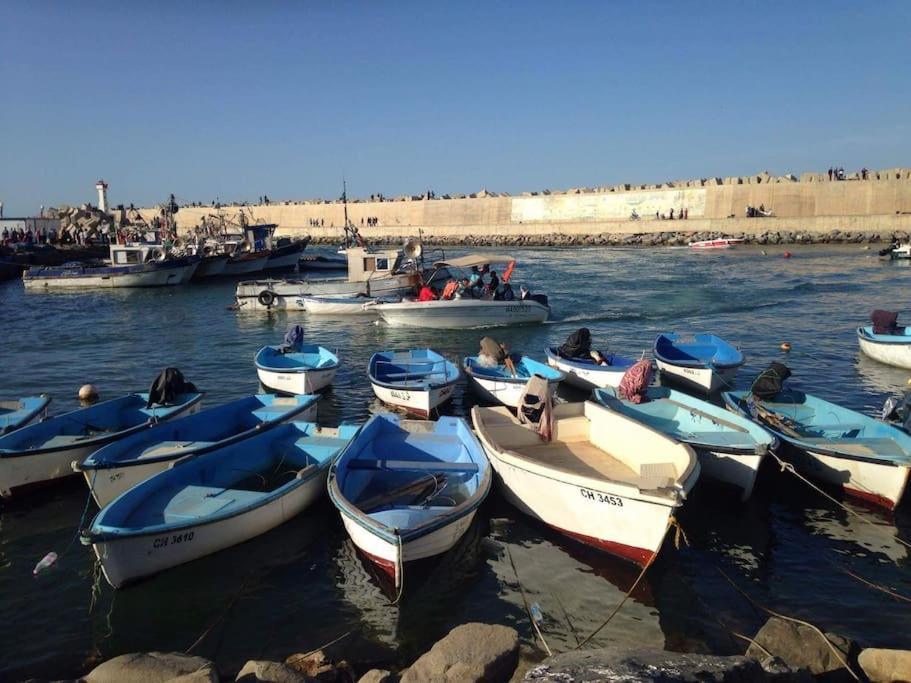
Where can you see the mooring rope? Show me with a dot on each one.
(399, 567)
(531, 617)
(788, 467)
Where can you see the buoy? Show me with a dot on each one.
(787, 254)
(88, 393)
(785, 347)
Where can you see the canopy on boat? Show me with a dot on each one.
(475, 260)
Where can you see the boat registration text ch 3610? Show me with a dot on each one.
(172, 539)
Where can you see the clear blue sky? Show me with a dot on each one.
(237, 99)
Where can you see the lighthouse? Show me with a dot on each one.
(102, 188)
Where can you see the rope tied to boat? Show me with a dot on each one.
(531, 617)
(399, 566)
(788, 467)
(679, 533)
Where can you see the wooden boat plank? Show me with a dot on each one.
(581, 458)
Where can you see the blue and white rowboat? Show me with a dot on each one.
(891, 349)
(121, 465)
(867, 458)
(730, 447)
(304, 371)
(16, 414)
(704, 361)
(585, 373)
(46, 450)
(417, 380)
(498, 385)
(218, 499)
(408, 490)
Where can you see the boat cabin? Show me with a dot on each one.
(135, 253)
(367, 264)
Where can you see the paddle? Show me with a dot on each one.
(782, 424)
(420, 488)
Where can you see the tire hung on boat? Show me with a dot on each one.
(266, 298)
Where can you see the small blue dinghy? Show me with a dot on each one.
(16, 414)
(409, 489)
(498, 385)
(296, 367)
(730, 447)
(704, 361)
(218, 499)
(585, 373)
(416, 380)
(121, 465)
(46, 450)
(867, 458)
(893, 348)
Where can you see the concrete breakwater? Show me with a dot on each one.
(875, 205)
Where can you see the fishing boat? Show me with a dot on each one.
(704, 361)
(298, 369)
(867, 458)
(585, 373)
(220, 498)
(18, 413)
(603, 479)
(417, 380)
(113, 469)
(719, 243)
(340, 306)
(285, 253)
(466, 312)
(890, 349)
(408, 490)
(249, 247)
(130, 265)
(498, 385)
(317, 263)
(45, 451)
(211, 265)
(10, 270)
(730, 447)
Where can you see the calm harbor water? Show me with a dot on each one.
(302, 585)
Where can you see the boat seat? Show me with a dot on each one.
(269, 413)
(394, 376)
(412, 465)
(836, 427)
(740, 439)
(877, 448)
(68, 439)
(195, 502)
(168, 447)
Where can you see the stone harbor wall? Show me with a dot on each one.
(878, 205)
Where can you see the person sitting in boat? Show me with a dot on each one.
(578, 346)
(494, 353)
(475, 280)
(493, 284)
(524, 293)
(505, 293)
(450, 289)
(464, 289)
(426, 293)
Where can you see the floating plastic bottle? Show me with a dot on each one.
(46, 563)
(536, 613)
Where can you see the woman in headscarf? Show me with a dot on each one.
(494, 353)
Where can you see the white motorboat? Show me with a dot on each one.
(131, 265)
(890, 349)
(604, 479)
(341, 306)
(719, 243)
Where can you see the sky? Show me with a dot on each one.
(233, 100)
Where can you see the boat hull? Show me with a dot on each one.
(346, 306)
(896, 355)
(306, 382)
(212, 266)
(415, 402)
(588, 379)
(129, 559)
(246, 265)
(148, 275)
(462, 313)
(706, 379)
(289, 295)
(738, 470)
(501, 390)
(286, 257)
(23, 471)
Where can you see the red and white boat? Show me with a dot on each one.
(603, 479)
(720, 243)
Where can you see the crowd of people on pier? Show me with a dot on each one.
(36, 236)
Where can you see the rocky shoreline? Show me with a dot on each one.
(783, 651)
(644, 239)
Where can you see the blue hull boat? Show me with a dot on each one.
(307, 369)
(408, 490)
(121, 465)
(730, 447)
(16, 414)
(585, 373)
(891, 349)
(704, 361)
(218, 499)
(45, 451)
(498, 385)
(867, 458)
(417, 380)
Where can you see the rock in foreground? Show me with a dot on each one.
(470, 652)
(885, 666)
(801, 647)
(153, 667)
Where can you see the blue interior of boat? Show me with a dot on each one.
(201, 429)
(902, 337)
(406, 479)
(306, 357)
(702, 350)
(525, 368)
(689, 419)
(15, 413)
(418, 369)
(225, 481)
(821, 425)
(99, 420)
(614, 362)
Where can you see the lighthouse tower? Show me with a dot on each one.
(102, 188)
